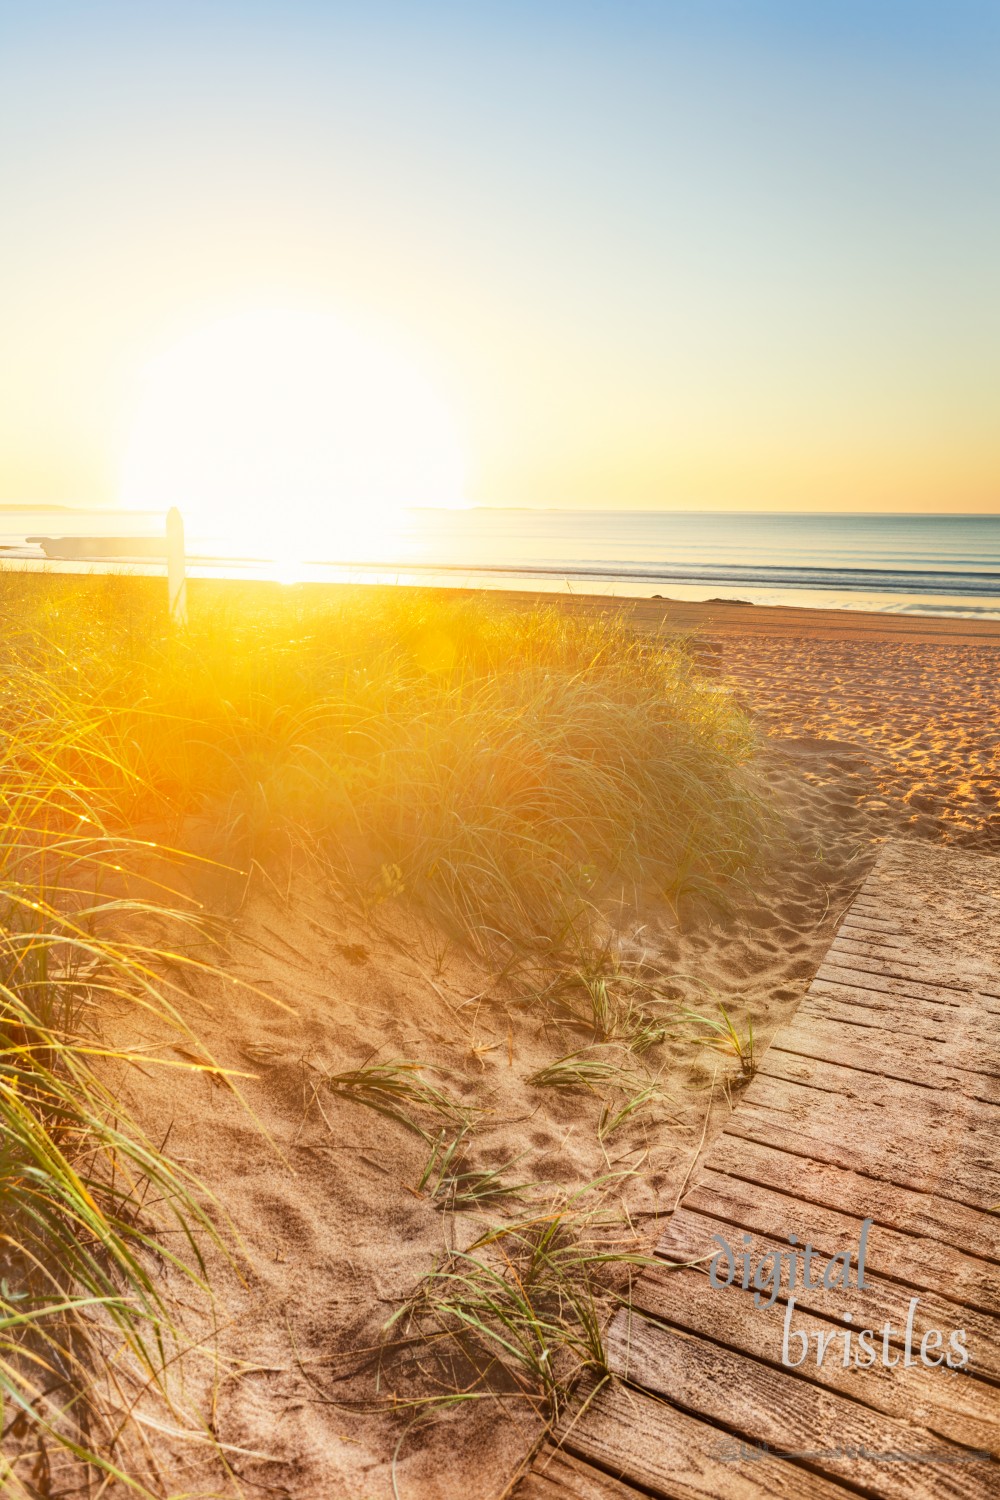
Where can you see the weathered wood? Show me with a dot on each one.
(904, 898)
(836, 970)
(856, 921)
(908, 876)
(851, 1192)
(923, 1263)
(689, 1237)
(869, 973)
(556, 1475)
(907, 960)
(818, 1125)
(809, 1042)
(902, 1055)
(675, 1457)
(791, 1414)
(916, 1108)
(896, 998)
(888, 945)
(959, 1409)
(847, 1006)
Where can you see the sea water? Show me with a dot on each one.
(919, 564)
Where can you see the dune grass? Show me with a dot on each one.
(520, 1313)
(516, 774)
(588, 1069)
(612, 1002)
(84, 1328)
(454, 1185)
(396, 1089)
(724, 1037)
(507, 770)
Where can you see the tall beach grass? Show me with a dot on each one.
(84, 1328)
(508, 769)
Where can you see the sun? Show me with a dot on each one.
(289, 434)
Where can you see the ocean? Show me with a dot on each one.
(908, 564)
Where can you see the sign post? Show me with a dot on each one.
(176, 581)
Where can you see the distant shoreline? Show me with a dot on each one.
(921, 564)
(713, 617)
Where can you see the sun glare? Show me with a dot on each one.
(289, 435)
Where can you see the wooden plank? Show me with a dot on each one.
(867, 973)
(864, 909)
(895, 996)
(676, 1457)
(964, 899)
(856, 920)
(689, 1237)
(915, 959)
(918, 1107)
(904, 917)
(835, 971)
(941, 911)
(902, 1055)
(906, 958)
(897, 942)
(847, 1005)
(776, 1407)
(893, 932)
(556, 1475)
(890, 1161)
(962, 1410)
(908, 874)
(849, 1191)
(917, 1063)
(922, 1263)
(812, 1123)
(911, 961)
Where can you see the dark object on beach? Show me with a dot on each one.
(746, 602)
(100, 546)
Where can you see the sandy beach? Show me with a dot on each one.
(870, 727)
(917, 699)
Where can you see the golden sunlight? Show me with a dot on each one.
(289, 435)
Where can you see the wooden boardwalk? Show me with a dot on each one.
(881, 1100)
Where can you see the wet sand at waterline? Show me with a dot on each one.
(870, 727)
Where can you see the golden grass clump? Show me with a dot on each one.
(509, 769)
(85, 1335)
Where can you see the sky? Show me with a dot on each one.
(716, 254)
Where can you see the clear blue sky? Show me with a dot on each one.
(721, 254)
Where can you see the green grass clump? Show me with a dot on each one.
(636, 1098)
(725, 1037)
(585, 1069)
(612, 1003)
(518, 1314)
(626, 1093)
(396, 1088)
(453, 1184)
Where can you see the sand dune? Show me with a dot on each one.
(866, 732)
